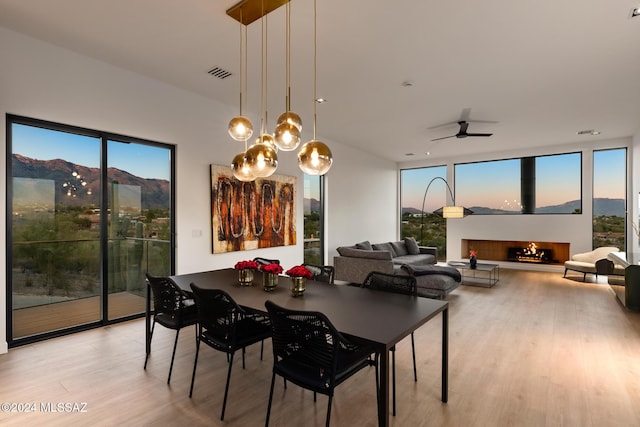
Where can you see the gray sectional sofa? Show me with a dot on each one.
(399, 257)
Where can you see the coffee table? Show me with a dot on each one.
(490, 273)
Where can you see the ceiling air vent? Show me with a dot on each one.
(219, 73)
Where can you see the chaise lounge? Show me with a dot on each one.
(587, 263)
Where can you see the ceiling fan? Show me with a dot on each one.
(462, 133)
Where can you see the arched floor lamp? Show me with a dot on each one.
(447, 211)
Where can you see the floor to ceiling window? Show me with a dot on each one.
(609, 198)
(417, 220)
(90, 214)
(313, 220)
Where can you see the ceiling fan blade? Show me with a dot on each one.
(444, 137)
(479, 134)
(463, 127)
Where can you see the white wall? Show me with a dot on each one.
(362, 202)
(43, 81)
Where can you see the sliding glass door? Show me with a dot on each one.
(90, 214)
(139, 226)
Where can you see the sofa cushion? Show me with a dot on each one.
(366, 245)
(400, 248)
(422, 259)
(412, 245)
(384, 247)
(594, 255)
(361, 253)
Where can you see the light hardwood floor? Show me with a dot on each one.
(534, 350)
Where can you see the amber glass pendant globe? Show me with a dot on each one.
(266, 138)
(240, 128)
(287, 136)
(315, 158)
(262, 160)
(241, 169)
(292, 118)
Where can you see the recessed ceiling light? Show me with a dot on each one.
(428, 153)
(321, 100)
(407, 83)
(635, 12)
(409, 154)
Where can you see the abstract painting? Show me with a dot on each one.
(251, 215)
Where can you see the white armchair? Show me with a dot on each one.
(585, 263)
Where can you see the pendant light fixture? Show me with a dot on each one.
(239, 165)
(287, 134)
(261, 157)
(315, 158)
(240, 127)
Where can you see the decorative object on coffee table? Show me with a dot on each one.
(473, 260)
(245, 272)
(299, 275)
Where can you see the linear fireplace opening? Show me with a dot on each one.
(535, 252)
(532, 253)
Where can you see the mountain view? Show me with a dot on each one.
(155, 193)
(601, 207)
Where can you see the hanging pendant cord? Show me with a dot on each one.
(315, 64)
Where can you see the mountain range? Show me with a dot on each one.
(154, 193)
(601, 207)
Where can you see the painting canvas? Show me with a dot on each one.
(252, 215)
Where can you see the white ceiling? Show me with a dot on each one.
(542, 70)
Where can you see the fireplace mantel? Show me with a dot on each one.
(497, 250)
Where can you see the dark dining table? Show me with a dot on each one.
(383, 319)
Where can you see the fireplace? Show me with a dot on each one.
(555, 253)
(531, 253)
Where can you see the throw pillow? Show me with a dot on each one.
(384, 247)
(400, 248)
(412, 245)
(366, 245)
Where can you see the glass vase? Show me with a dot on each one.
(269, 281)
(298, 286)
(245, 277)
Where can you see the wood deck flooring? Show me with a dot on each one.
(534, 350)
(51, 317)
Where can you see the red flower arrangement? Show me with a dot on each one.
(472, 252)
(246, 265)
(299, 271)
(272, 268)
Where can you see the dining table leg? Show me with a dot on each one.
(383, 404)
(445, 354)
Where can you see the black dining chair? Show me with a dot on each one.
(266, 261)
(321, 273)
(399, 284)
(311, 353)
(173, 308)
(224, 326)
